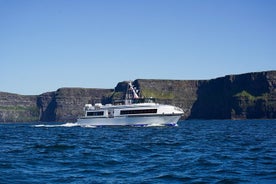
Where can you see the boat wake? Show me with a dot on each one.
(63, 125)
(93, 126)
(162, 125)
(155, 125)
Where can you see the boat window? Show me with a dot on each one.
(96, 113)
(139, 111)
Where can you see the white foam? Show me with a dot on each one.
(88, 126)
(70, 125)
(155, 125)
(62, 125)
(38, 125)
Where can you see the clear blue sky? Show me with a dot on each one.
(48, 44)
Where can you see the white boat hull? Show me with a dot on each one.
(169, 120)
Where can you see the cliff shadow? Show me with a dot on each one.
(212, 102)
(232, 97)
(47, 105)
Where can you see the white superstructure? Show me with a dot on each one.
(134, 111)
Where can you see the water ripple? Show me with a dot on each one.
(193, 152)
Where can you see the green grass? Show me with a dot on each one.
(13, 108)
(245, 94)
(20, 113)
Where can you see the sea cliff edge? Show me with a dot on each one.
(244, 96)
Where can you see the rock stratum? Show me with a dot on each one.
(244, 96)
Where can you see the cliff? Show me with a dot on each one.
(181, 93)
(66, 104)
(70, 101)
(245, 96)
(14, 108)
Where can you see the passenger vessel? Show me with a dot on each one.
(134, 111)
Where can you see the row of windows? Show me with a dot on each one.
(97, 113)
(140, 111)
(123, 112)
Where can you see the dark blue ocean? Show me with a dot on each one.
(194, 152)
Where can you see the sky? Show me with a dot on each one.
(49, 44)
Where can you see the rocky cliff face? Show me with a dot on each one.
(46, 103)
(70, 101)
(181, 93)
(65, 104)
(245, 96)
(14, 108)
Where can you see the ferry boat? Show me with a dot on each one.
(133, 111)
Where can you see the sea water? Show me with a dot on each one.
(193, 152)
